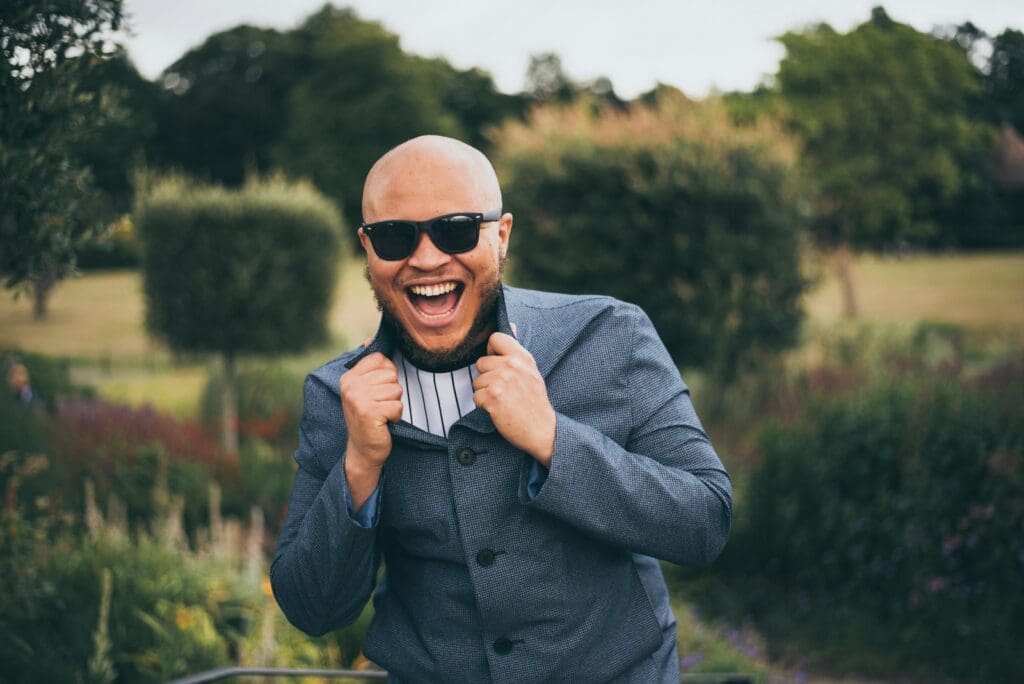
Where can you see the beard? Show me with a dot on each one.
(466, 352)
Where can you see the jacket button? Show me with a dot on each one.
(466, 456)
(502, 646)
(485, 557)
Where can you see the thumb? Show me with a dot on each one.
(515, 330)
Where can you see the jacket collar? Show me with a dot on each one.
(547, 339)
(477, 419)
(384, 339)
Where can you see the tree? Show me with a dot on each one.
(546, 80)
(47, 108)
(1005, 78)
(249, 271)
(360, 96)
(223, 106)
(669, 206)
(887, 117)
(471, 96)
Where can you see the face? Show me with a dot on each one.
(441, 304)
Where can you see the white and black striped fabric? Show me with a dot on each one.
(434, 401)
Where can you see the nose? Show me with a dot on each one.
(426, 256)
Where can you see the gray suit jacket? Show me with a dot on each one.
(482, 582)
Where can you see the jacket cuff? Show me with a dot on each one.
(369, 514)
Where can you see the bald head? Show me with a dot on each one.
(430, 175)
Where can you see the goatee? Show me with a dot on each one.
(466, 352)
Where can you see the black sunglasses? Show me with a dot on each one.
(451, 233)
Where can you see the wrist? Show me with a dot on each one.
(543, 449)
(363, 476)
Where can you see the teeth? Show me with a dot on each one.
(432, 290)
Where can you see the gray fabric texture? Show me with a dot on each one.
(572, 590)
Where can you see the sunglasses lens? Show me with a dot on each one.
(455, 234)
(393, 240)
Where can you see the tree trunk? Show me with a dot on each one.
(229, 398)
(42, 287)
(844, 271)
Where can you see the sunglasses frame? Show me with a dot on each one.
(427, 227)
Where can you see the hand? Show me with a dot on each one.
(512, 391)
(370, 397)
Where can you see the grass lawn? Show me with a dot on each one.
(976, 290)
(97, 319)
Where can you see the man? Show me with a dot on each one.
(517, 458)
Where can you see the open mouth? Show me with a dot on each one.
(436, 302)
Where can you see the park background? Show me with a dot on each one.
(832, 256)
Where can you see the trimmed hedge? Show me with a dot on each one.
(248, 271)
(670, 206)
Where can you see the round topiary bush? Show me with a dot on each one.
(670, 206)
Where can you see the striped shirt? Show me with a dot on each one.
(434, 401)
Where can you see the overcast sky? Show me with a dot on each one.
(696, 46)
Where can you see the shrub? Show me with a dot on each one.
(116, 248)
(249, 271)
(898, 512)
(266, 476)
(269, 402)
(170, 612)
(142, 607)
(670, 206)
(21, 427)
(129, 452)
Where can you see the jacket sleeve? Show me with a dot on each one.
(666, 493)
(326, 562)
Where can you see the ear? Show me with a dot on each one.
(504, 233)
(363, 240)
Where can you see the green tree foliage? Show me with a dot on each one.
(1005, 77)
(322, 101)
(240, 272)
(360, 95)
(114, 149)
(886, 115)
(47, 107)
(224, 105)
(998, 209)
(547, 82)
(671, 207)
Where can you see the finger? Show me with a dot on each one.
(486, 398)
(374, 360)
(382, 392)
(487, 363)
(515, 331)
(392, 410)
(483, 381)
(502, 344)
(380, 376)
(367, 342)
(480, 398)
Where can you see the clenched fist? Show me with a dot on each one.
(370, 398)
(512, 391)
